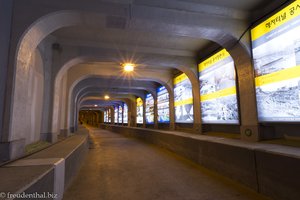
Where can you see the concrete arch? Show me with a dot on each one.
(25, 48)
(72, 96)
(128, 101)
(27, 108)
(164, 79)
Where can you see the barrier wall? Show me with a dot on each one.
(272, 170)
(49, 171)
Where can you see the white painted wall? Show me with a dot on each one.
(28, 101)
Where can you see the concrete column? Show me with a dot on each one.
(133, 114)
(197, 110)
(155, 112)
(54, 97)
(47, 98)
(64, 129)
(246, 89)
(112, 114)
(172, 108)
(144, 113)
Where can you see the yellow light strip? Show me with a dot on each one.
(282, 75)
(218, 94)
(184, 102)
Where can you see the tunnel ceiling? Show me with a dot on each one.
(121, 37)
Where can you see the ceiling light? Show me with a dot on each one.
(128, 67)
(106, 97)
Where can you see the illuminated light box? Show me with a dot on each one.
(149, 109)
(105, 116)
(125, 114)
(218, 97)
(120, 115)
(276, 59)
(116, 114)
(183, 97)
(139, 111)
(163, 112)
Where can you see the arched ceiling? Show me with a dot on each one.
(154, 31)
(86, 90)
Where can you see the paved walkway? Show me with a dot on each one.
(119, 168)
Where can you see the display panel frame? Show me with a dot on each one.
(149, 100)
(276, 28)
(184, 106)
(163, 90)
(116, 114)
(120, 114)
(105, 116)
(139, 110)
(219, 60)
(125, 113)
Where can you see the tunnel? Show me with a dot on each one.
(149, 99)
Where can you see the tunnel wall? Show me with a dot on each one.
(264, 170)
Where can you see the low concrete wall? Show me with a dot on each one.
(278, 174)
(50, 170)
(74, 161)
(43, 185)
(269, 172)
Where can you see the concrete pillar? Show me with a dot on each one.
(112, 114)
(133, 113)
(248, 111)
(172, 108)
(54, 102)
(144, 113)
(155, 112)
(47, 98)
(197, 110)
(64, 129)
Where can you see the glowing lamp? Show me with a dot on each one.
(128, 67)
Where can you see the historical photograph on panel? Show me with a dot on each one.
(116, 114)
(149, 109)
(125, 114)
(221, 110)
(183, 96)
(120, 115)
(279, 101)
(269, 58)
(163, 112)
(139, 111)
(218, 90)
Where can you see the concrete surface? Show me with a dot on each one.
(122, 168)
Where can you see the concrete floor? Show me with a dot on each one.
(119, 168)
